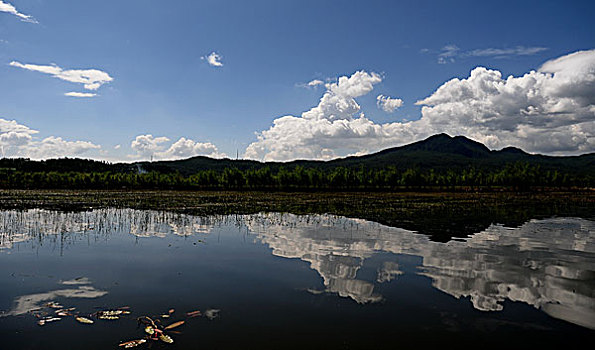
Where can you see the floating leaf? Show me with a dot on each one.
(108, 317)
(47, 320)
(174, 325)
(193, 313)
(133, 343)
(65, 312)
(113, 312)
(165, 338)
(54, 305)
(84, 320)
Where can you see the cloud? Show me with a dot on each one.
(80, 94)
(13, 126)
(147, 146)
(185, 148)
(92, 79)
(315, 83)
(53, 147)
(9, 8)
(388, 104)
(334, 124)
(213, 59)
(551, 110)
(516, 51)
(17, 140)
(449, 53)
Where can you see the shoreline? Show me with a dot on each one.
(441, 215)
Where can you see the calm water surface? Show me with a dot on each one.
(288, 281)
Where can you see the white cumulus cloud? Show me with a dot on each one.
(92, 79)
(9, 8)
(388, 104)
(147, 146)
(213, 59)
(17, 140)
(333, 125)
(550, 110)
(185, 148)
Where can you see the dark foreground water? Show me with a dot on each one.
(283, 281)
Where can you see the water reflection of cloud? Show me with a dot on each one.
(27, 303)
(548, 264)
(76, 281)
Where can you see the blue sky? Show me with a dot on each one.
(161, 84)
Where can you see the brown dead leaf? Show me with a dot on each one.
(174, 325)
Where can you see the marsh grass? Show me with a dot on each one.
(439, 215)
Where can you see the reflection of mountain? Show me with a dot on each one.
(549, 264)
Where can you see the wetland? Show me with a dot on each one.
(293, 270)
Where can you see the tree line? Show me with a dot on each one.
(516, 176)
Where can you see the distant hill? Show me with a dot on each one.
(445, 152)
(439, 152)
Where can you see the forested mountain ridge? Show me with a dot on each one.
(439, 152)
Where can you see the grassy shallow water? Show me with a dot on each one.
(438, 215)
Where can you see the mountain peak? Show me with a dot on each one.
(512, 150)
(444, 143)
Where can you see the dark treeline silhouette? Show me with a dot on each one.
(516, 176)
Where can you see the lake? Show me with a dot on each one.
(278, 280)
